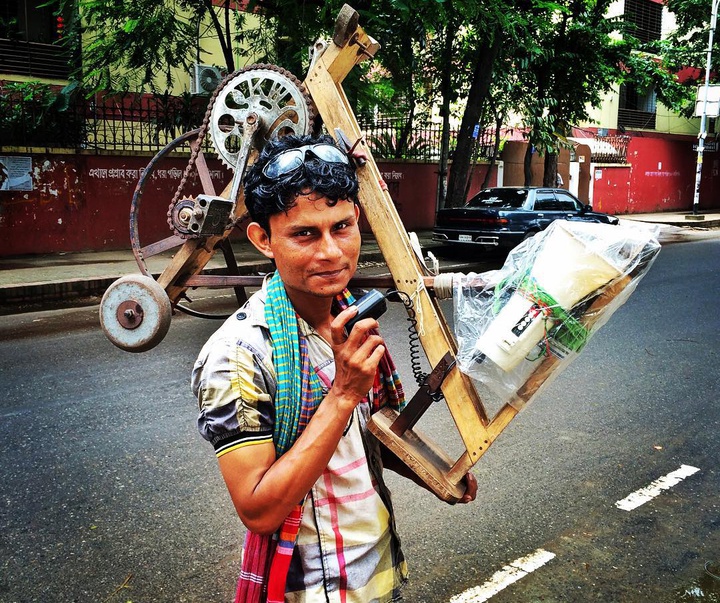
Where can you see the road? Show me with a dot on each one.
(108, 494)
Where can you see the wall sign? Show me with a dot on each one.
(16, 173)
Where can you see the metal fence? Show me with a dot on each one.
(137, 122)
(390, 138)
(129, 122)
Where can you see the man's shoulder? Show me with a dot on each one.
(246, 327)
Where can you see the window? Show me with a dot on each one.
(499, 198)
(566, 202)
(646, 16)
(545, 201)
(28, 36)
(637, 108)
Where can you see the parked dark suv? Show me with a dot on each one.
(505, 216)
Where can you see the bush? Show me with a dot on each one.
(37, 114)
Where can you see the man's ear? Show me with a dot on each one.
(257, 235)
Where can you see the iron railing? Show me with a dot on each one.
(389, 138)
(127, 122)
(136, 122)
(619, 145)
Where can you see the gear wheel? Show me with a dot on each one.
(277, 97)
(181, 215)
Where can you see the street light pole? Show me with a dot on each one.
(703, 116)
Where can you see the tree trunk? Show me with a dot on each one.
(527, 165)
(446, 88)
(225, 44)
(550, 170)
(482, 77)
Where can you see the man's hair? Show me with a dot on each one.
(265, 197)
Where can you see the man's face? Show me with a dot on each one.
(315, 246)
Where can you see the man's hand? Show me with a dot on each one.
(357, 356)
(471, 488)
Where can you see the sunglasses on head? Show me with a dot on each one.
(290, 160)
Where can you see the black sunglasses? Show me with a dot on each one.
(290, 160)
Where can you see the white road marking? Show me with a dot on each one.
(505, 577)
(640, 497)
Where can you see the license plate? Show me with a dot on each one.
(465, 238)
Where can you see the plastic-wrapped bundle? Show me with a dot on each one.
(521, 324)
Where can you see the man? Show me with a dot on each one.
(285, 394)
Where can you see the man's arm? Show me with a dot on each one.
(264, 489)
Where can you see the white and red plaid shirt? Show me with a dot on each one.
(347, 549)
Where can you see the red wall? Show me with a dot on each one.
(82, 202)
(610, 186)
(413, 189)
(660, 177)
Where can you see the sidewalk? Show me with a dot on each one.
(30, 282)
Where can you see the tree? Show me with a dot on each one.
(675, 65)
(579, 60)
(137, 45)
(499, 31)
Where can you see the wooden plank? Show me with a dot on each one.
(419, 453)
(339, 61)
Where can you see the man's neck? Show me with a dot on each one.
(316, 311)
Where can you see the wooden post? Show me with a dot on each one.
(324, 82)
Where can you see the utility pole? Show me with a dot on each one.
(703, 115)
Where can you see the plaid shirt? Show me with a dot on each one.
(347, 548)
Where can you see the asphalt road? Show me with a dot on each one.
(108, 494)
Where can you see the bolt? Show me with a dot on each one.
(130, 314)
(185, 215)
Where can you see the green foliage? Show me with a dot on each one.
(658, 71)
(136, 45)
(175, 115)
(685, 47)
(36, 114)
(576, 57)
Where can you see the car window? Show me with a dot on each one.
(499, 198)
(545, 201)
(567, 203)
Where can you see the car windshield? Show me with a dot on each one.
(497, 197)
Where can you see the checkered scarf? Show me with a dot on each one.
(266, 559)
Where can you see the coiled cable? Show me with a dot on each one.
(420, 375)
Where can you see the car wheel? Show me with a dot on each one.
(530, 234)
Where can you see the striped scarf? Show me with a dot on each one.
(266, 559)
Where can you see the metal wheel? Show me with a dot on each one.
(135, 313)
(276, 96)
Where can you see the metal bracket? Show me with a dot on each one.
(428, 393)
(210, 216)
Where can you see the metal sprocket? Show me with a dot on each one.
(277, 97)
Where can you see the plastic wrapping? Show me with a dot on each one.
(521, 325)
